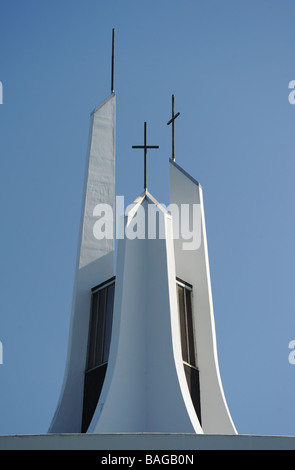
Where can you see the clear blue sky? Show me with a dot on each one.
(229, 64)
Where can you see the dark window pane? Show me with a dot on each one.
(100, 330)
(108, 322)
(182, 321)
(190, 328)
(93, 330)
(184, 296)
(92, 389)
(100, 326)
(192, 377)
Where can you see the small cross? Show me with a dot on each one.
(174, 116)
(145, 147)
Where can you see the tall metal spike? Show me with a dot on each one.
(113, 62)
(174, 116)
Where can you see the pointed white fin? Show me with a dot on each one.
(95, 261)
(193, 267)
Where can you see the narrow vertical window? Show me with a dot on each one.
(108, 322)
(187, 337)
(182, 322)
(99, 340)
(184, 293)
(100, 326)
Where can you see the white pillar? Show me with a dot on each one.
(95, 261)
(145, 388)
(193, 266)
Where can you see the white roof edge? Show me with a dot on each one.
(139, 200)
(157, 203)
(193, 180)
(103, 103)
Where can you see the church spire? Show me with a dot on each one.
(95, 263)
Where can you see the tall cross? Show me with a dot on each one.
(145, 147)
(174, 116)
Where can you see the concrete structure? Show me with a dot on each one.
(130, 340)
(192, 265)
(145, 370)
(142, 368)
(170, 443)
(95, 261)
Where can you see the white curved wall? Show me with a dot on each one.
(95, 261)
(145, 388)
(193, 266)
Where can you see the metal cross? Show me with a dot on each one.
(174, 116)
(145, 147)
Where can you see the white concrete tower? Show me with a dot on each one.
(95, 261)
(192, 266)
(142, 351)
(163, 373)
(145, 388)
